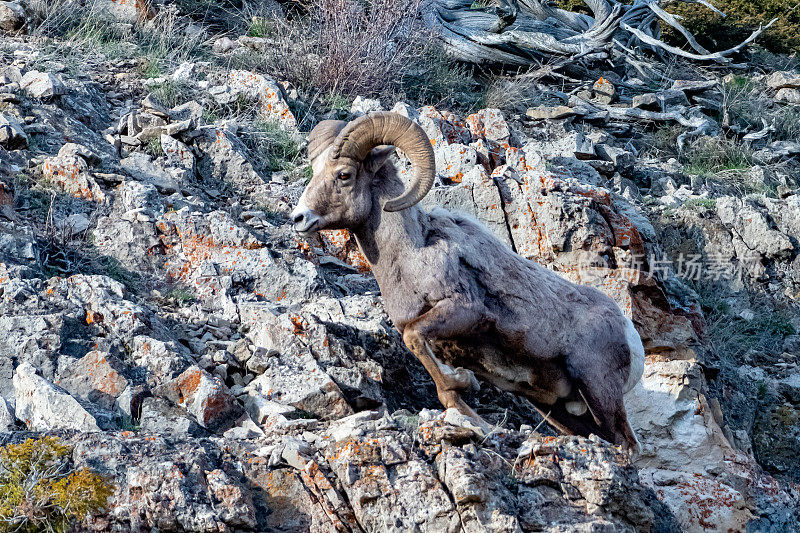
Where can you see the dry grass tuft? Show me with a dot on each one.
(162, 42)
(347, 48)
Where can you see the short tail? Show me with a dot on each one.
(637, 355)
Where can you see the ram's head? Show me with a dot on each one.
(347, 159)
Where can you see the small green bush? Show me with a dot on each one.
(742, 17)
(706, 203)
(714, 154)
(112, 268)
(260, 27)
(437, 80)
(182, 296)
(171, 93)
(39, 491)
(272, 148)
(730, 337)
(333, 50)
(154, 148)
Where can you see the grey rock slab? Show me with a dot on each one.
(224, 44)
(167, 484)
(753, 227)
(621, 158)
(225, 159)
(407, 495)
(97, 377)
(42, 84)
(12, 17)
(205, 397)
(661, 100)
(693, 86)
(454, 160)
(12, 133)
(28, 338)
(551, 113)
(43, 406)
(161, 417)
(568, 144)
(74, 224)
(783, 79)
(7, 419)
(177, 153)
(788, 96)
(184, 72)
(143, 168)
(362, 106)
(79, 150)
(477, 196)
(297, 381)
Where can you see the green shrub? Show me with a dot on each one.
(437, 80)
(730, 336)
(272, 148)
(742, 17)
(182, 296)
(706, 203)
(154, 148)
(112, 268)
(39, 491)
(260, 27)
(334, 50)
(172, 93)
(714, 154)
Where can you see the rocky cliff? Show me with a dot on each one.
(159, 315)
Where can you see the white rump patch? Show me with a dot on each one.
(576, 408)
(637, 355)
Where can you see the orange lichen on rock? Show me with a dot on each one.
(71, 174)
(197, 248)
(187, 384)
(342, 245)
(93, 317)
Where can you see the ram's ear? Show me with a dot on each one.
(377, 157)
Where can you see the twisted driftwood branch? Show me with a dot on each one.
(519, 33)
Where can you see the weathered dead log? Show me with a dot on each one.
(521, 33)
(691, 118)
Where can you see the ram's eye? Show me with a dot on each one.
(344, 175)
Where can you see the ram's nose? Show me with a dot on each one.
(303, 219)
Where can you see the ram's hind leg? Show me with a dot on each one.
(606, 414)
(444, 321)
(600, 387)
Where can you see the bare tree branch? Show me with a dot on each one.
(716, 56)
(523, 32)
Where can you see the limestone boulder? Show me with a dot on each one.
(42, 406)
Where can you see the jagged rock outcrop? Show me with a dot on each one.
(159, 312)
(381, 472)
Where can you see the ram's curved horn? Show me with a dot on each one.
(366, 132)
(322, 136)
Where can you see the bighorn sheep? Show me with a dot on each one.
(462, 300)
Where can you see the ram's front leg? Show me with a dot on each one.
(447, 319)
